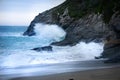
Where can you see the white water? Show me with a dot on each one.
(16, 51)
(49, 32)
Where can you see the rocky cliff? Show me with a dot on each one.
(112, 47)
(84, 20)
(79, 22)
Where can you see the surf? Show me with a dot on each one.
(16, 50)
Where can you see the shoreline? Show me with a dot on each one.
(95, 74)
(54, 69)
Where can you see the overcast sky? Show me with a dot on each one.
(21, 12)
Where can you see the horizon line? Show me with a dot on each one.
(13, 25)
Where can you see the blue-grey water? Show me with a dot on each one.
(11, 38)
(18, 60)
(15, 49)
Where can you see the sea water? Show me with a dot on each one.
(15, 49)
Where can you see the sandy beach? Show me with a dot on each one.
(96, 74)
(76, 70)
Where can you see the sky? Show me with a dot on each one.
(22, 12)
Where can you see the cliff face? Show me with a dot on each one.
(112, 47)
(85, 20)
(89, 28)
(80, 23)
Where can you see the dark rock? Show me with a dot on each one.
(45, 18)
(113, 59)
(97, 57)
(115, 24)
(87, 28)
(84, 20)
(45, 48)
(112, 47)
(30, 31)
(111, 50)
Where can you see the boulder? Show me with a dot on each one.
(113, 59)
(111, 50)
(45, 48)
(112, 47)
(79, 26)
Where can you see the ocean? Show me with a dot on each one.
(15, 49)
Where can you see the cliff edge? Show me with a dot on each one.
(85, 20)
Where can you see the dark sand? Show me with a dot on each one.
(95, 74)
(76, 70)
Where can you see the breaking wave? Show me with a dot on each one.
(16, 51)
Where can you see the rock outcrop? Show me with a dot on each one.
(45, 48)
(112, 47)
(86, 20)
(79, 27)
(89, 28)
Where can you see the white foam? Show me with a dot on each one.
(80, 52)
(16, 34)
(49, 32)
(20, 54)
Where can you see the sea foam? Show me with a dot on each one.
(16, 51)
(82, 51)
(49, 32)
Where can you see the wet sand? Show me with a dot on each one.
(76, 70)
(95, 74)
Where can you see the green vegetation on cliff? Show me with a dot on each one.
(80, 8)
(78, 18)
